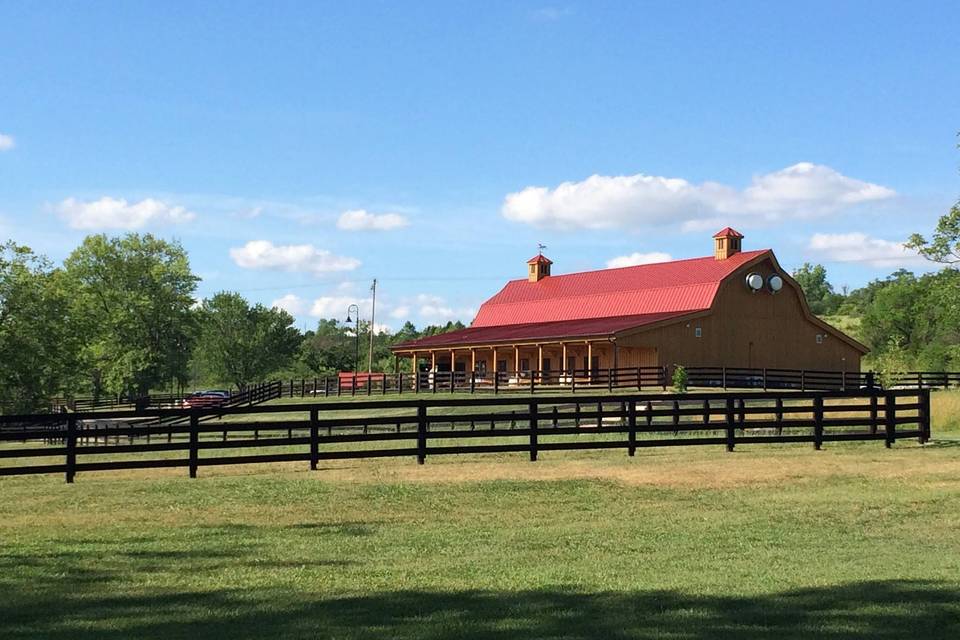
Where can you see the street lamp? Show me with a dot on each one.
(356, 333)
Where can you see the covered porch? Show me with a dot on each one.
(562, 363)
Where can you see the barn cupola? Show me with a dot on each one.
(538, 267)
(726, 243)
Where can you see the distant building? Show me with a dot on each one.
(735, 308)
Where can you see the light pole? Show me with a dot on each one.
(356, 334)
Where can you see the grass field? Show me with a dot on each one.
(767, 542)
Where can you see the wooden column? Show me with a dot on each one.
(563, 357)
(473, 359)
(589, 360)
(540, 357)
(494, 360)
(516, 359)
(433, 361)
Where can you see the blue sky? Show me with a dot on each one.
(299, 150)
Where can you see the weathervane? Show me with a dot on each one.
(540, 248)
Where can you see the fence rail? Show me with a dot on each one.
(310, 432)
(504, 382)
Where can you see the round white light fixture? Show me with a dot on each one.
(774, 283)
(754, 281)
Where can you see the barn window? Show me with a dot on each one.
(698, 332)
(819, 338)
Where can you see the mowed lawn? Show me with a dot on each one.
(766, 542)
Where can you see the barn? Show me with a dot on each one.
(734, 308)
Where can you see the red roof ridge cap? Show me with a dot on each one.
(753, 253)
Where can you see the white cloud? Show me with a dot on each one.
(7, 142)
(859, 247)
(606, 202)
(361, 220)
(114, 213)
(432, 308)
(292, 304)
(336, 307)
(400, 313)
(263, 254)
(636, 258)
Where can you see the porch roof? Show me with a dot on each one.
(560, 330)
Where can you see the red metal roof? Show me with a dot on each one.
(673, 287)
(539, 258)
(536, 331)
(728, 232)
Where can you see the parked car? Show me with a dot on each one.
(204, 399)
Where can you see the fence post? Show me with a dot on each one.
(194, 438)
(473, 381)
(871, 384)
(421, 432)
(873, 411)
(817, 422)
(383, 383)
(314, 440)
(609, 379)
(919, 379)
(764, 378)
(400, 384)
(731, 423)
(924, 416)
(803, 380)
(639, 378)
(533, 381)
(496, 382)
(533, 431)
(632, 428)
(890, 417)
(723, 377)
(71, 448)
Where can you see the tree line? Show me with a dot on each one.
(119, 317)
(909, 321)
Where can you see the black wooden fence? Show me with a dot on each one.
(438, 426)
(799, 379)
(529, 381)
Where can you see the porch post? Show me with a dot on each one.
(433, 360)
(589, 360)
(516, 360)
(563, 358)
(473, 359)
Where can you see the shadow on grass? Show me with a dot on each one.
(889, 609)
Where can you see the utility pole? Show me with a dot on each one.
(373, 325)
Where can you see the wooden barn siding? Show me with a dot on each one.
(782, 336)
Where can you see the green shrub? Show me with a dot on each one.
(680, 379)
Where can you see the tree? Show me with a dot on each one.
(944, 246)
(915, 320)
(135, 295)
(241, 344)
(819, 292)
(39, 341)
(328, 349)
